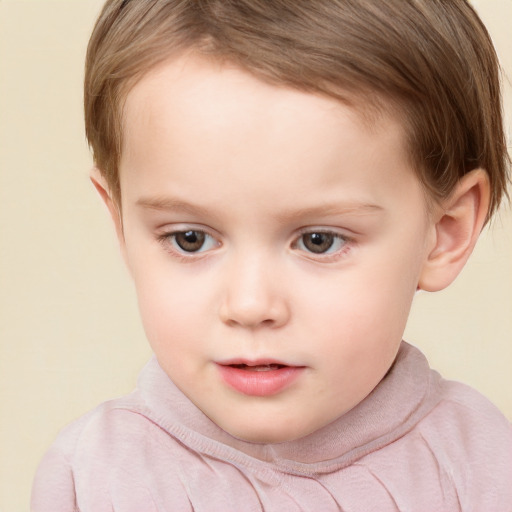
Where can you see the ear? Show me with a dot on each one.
(105, 193)
(459, 222)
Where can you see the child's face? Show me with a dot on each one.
(264, 227)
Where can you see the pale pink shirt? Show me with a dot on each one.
(417, 443)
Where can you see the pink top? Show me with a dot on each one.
(417, 443)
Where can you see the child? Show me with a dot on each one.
(284, 175)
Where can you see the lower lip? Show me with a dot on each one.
(259, 383)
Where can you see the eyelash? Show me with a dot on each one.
(168, 241)
(326, 256)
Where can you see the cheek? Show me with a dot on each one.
(170, 304)
(362, 310)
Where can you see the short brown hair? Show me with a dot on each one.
(433, 60)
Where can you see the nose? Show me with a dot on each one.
(253, 297)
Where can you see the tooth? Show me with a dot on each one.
(259, 367)
(266, 367)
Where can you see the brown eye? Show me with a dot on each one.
(318, 243)
(190, 241)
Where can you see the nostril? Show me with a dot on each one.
(261, 314)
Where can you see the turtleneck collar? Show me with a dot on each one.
(405, 395)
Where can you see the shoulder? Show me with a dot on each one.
(465, 416)
(104, 450)
(53, 486)
(472, 443)
(102, 421)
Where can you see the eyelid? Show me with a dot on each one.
(324, 229)
(183, 227)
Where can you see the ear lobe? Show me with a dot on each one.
(460, 221)
(103, 189)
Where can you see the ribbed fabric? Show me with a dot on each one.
(417, 443)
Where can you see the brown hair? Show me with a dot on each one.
(431, 60)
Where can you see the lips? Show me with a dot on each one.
(258, 378)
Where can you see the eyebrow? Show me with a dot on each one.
(170, 204)
(327, 210)
(330, 210)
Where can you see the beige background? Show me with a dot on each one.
(69, 330)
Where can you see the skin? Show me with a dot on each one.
(259, 169)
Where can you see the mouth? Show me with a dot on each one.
(258, 378)
(259, 367)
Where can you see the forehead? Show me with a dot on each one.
(198, 121)
(205, 89)
(207, 86)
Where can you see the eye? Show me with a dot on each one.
(321, 242)
(191, 241)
